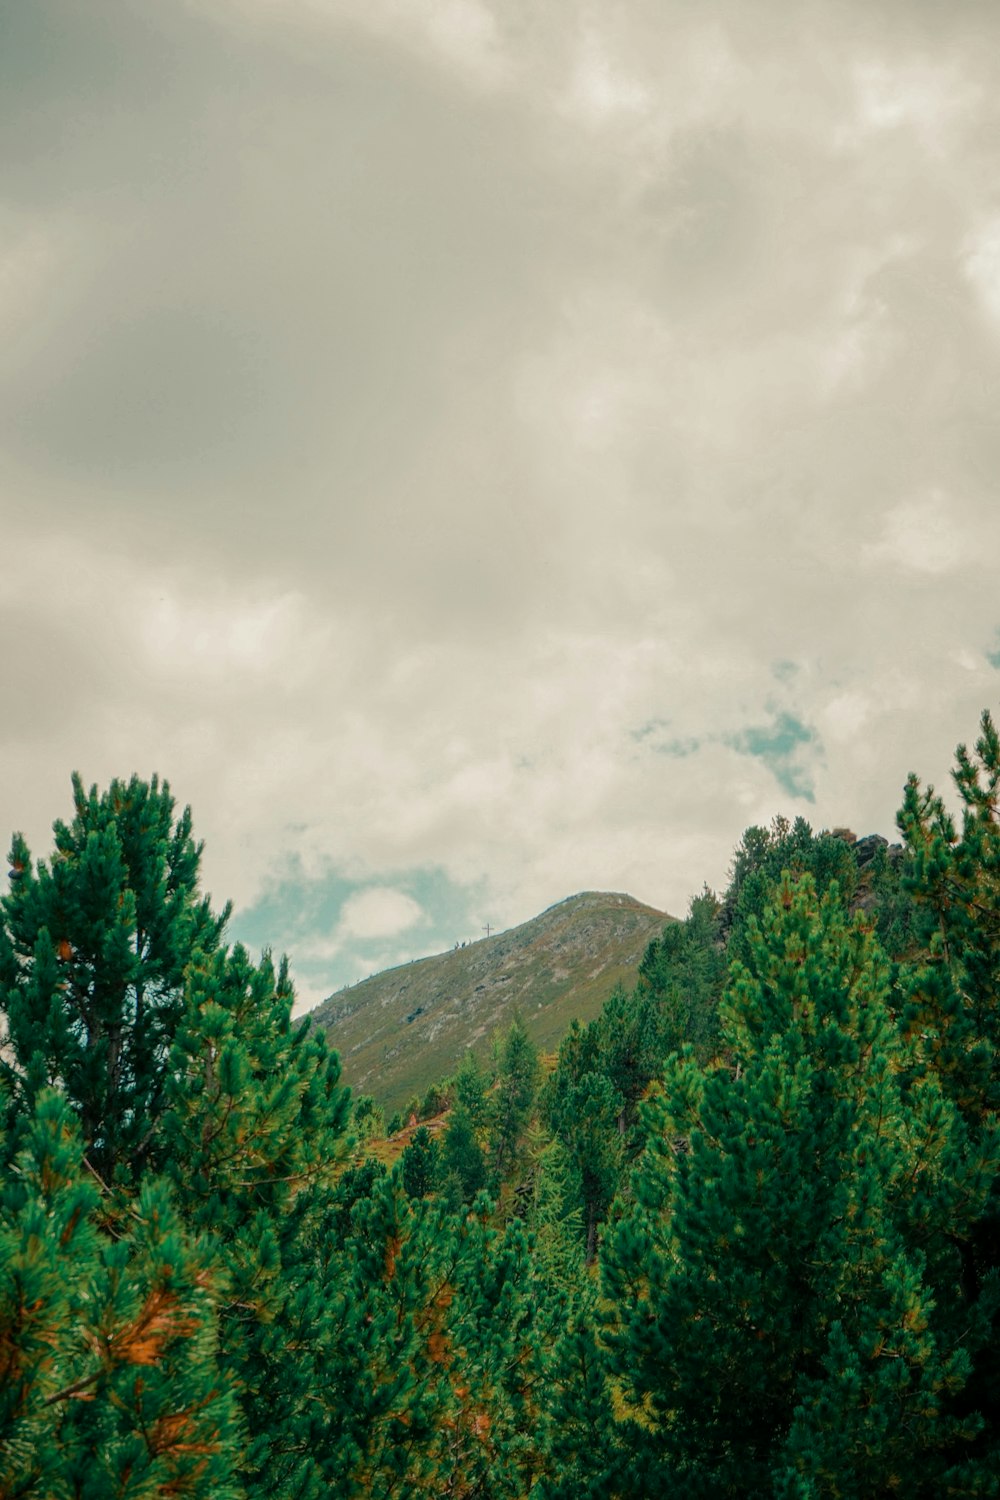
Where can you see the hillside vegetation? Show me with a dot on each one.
(741, 1239)
(405, 1029)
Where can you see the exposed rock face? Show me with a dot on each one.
(867, 848)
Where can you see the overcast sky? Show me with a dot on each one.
(480, 450)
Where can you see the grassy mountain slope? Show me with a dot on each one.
(404, 1029)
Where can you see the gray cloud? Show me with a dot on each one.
(403, 406)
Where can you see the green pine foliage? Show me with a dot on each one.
(108, 1382)
(742, 1241)
(950, 1005)
(767, 1276)
(469, 1087)
(378, 1409)
(499, 1323)
(681, 978)
(462, 1160)
(587, 1450)
(885, 892)
(420, 1164)
(176, 1054)
(953, 986)
(368, 1118)
(604, 1069)
(96, 942)
(760, 860)
(433, 1350)
(584, 1111)
(509, 1105)
(556, 1220)
(254, 1134)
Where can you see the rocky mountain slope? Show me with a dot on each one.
(402, 1030)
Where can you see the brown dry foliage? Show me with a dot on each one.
(159, 1324)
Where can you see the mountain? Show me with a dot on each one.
(400, 1031)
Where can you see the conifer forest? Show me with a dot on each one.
(739, 1237)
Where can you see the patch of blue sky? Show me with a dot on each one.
(779, 745)
(678, 748)
(293, 904)
(314, 919)
(993, 657)
(653, 734)
(784, 670)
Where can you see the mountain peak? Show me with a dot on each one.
(402, 1030)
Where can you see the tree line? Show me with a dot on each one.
(741, 1237)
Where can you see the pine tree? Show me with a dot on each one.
(423, 1349)
(109, 1382)
(761, 858)
(462, 1163)
(583, 1456)
(501, 1323)
(950, 1003)
(681, 979)
(556, 1220)
(178, 1055)
(368, 1118)
(435, 1346)
(768, 1278)
(510, 1104)
(587, 1453)
(419, 1164)
(584, 1114)
(470, 1092)
(953, 1003)
(93, 952)
(255, 1131)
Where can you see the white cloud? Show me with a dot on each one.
(378, 912)
(436, 394)
(460, 35)
(980, 260)
(231, 637)
(928, 97)
(863, 339)
(463, 30)
(601, 90)
(927, 535)
(845, 716)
